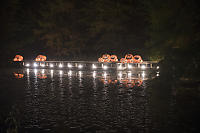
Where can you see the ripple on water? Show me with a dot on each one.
(84, 103)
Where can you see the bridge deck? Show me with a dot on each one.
(87, 65)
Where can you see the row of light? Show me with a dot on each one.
(130, 67)
(93, 73)
(61, 72)
(80, 66)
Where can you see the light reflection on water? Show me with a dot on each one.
(85, 100)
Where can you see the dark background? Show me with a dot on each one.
(84, 30)
(164, 30)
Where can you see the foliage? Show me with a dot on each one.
(174, 34)
(66, 28)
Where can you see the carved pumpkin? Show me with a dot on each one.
(122, 60)
(18, 58)
(104, 58)
(113, 58)
(128, 59)
(40, 58)
(137, 59)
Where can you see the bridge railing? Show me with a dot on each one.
(88, 65)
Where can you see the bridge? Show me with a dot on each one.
(88, 65)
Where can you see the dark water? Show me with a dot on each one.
(95, 101)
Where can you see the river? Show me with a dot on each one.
(44, 100)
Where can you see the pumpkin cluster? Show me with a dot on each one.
(18, 58)
(108, 58)
(41, 58)
(129, 58)
(38, 58)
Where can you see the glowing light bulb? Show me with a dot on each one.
(129, 66)
(80, 66)
(94, 66)
(69, 65)
(143, 67)
(60, 65)
(105, 67)
(51, 65)
(42, 65)
(27, 65)
(35, 64)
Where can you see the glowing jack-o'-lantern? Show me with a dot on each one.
(18, 58)
(137, 59)
(113, 58)
(40, 58)
(128, 59)
(104, 58)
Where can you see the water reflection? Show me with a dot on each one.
(70, 73)
(18, 75)
(41, 76)
(94, 74)
(84, 100)
(99, 101)
(51, 71)
(61, 73)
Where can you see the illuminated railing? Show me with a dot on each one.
(81, 65)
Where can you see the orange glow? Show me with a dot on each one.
(18, 58)
(137, 59)
(42, 76)
(122, 60)
(128, 59)
(132, 83)
(113, 58)
(126, 82)
(104, 58)
(18, 75)
(40, 58)
(111, 81)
